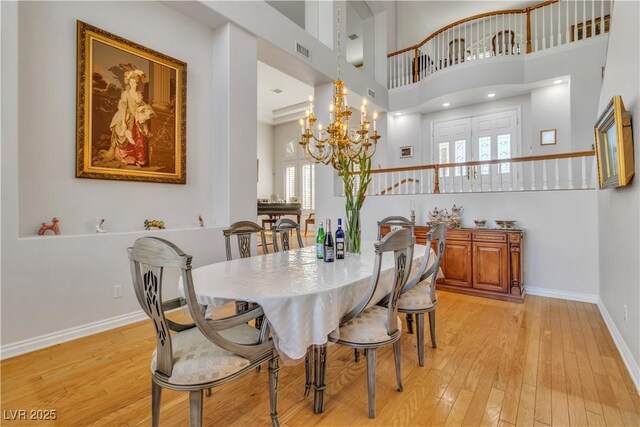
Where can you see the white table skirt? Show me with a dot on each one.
(302, 297)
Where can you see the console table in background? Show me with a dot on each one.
(277, 210)
(480, 261)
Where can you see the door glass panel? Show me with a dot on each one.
(461, 156)
(444, 157)
(504, 151)
(484, 152)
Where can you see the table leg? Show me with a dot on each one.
(319, 384)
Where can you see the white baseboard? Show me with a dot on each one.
(625, 353)
(43, 341)
(572, 296)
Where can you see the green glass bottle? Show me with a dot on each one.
(320, 242)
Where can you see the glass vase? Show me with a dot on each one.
(353, 237)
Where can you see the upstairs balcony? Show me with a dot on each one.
(515, 33)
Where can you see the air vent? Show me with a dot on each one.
(371, 93)
(303, 51)
(276, 90)
(353, 36)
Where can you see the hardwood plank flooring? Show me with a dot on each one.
(545, 362)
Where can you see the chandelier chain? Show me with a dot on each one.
(339, 36)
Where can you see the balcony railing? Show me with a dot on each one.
(499, 33)
(565, 171)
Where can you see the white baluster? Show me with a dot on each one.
(593, 19)
(557, 175)
(533, 176)
(584, 172)
(499, 176)
(521, 175)
(513, 175)
(504, 36)
(566, 38)
(544, 175)
(535, 29)
(602, 17)
(575, 20)
(584, 20)
(550, 25)
(570, 173)
(544, 33)
(559, 21)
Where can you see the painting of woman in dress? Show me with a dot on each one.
(131, 110)
(129, 126)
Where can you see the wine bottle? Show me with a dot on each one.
(339, 241)
(320, 242)
(329, 249)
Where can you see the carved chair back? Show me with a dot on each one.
(395, 221)
(283, 228)
(149, 256)
(456, 51)
(400, 242)
(243, 230)
(436, 233)
(498, 42)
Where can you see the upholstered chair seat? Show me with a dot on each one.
(417, 298)
(196, 360)
(370, 327)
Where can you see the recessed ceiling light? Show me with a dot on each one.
(446, 104)
(555, 82)
(491, 95)
(397, 114)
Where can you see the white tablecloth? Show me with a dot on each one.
(303, 297)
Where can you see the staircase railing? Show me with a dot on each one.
(499, 33)
(565, 171)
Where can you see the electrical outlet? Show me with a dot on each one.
(117, 291)
(626, 314)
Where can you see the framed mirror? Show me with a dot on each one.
(614, 145)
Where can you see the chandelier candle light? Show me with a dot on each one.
(349, 151)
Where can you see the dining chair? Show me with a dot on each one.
(200, 355)
(283, 228)
(244, 230)
(418, 296)
(369, 326)
(310, 220)
(498, 45)
(456, 51)
(397, 221)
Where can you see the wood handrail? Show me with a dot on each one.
(398, 184)
(471, 18)
(487, 162)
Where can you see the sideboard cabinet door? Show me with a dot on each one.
(491, 266)
(456, 265)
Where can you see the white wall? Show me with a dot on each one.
(52, 283)
(550, 109)
(265, 156)
(619, 209)
(281, 135)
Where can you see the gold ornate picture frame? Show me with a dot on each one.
(131, 110)
(614, 145)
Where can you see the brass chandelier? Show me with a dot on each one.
(337, 143)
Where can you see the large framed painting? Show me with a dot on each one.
(131, 112)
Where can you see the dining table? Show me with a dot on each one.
(303, 297)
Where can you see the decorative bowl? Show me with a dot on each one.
(481, 223)
(505, 223)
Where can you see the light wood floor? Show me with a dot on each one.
(544, 362)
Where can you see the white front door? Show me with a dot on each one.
(486, 137)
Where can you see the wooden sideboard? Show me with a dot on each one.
(483, 262)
